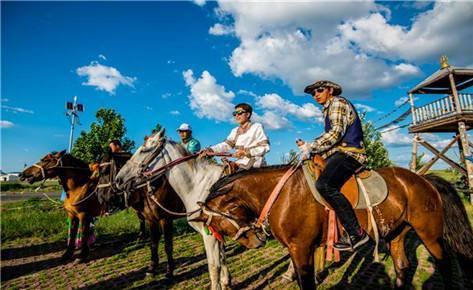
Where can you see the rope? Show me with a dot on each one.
(393, 111)
(153, 198)
(86, 198)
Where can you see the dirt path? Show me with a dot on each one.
(120, 262)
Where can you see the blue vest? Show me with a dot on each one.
(354, 132)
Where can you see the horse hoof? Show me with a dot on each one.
(66, 256)
(80, 261)
(151, 271)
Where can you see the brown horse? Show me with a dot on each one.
(142, 201)
(427, 204)
(75, 177)
(81, 203)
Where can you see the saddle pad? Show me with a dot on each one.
(375, 186)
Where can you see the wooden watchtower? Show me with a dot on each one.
(452, 112)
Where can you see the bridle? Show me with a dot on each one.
(231, 219)
(58, 165)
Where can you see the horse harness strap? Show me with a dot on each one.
(373, 221)
(274, 194)
(211, 213)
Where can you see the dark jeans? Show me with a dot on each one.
(340, 167)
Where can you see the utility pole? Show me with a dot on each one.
(72, 109)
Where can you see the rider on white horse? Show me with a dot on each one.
(248, 139)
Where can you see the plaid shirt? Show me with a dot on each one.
(341, 115)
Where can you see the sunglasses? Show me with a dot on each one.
(319, 90)
(238, 113)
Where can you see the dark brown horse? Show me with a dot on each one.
(81, 203)
(142, 201)
(427, 204)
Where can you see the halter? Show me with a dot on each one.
(229, 217)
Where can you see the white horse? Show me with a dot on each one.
(191, 180)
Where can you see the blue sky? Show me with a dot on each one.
(174, 62)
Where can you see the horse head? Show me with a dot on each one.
(227, 215)
(108, 168)
(133, 170)
(46, 168)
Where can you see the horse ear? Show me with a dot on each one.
(59, 154)
(161, 133)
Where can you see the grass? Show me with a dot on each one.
(44, 219)
(17, 186)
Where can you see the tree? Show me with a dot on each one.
(288, 157)
(110, 125)
(375, 151)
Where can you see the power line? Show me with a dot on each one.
(399, 119)
(393, 111)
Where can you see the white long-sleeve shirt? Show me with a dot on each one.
(253, 140)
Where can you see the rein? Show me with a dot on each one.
(274, 194)
(156, 173)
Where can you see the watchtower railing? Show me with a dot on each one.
(442, 108)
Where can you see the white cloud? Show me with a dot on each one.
(272, 120)
(207, 98)
(166, 95)
(102, 57)
(396, 138)
(16, 110)
(175, 113)
(302, 42)
(437, 31)
(6, 124)
(245, 92)
(148, 108)
(104, 78)
(364, 108)
(276, 103)
(199, 2)
(170, 61)
(4, 100)
(220, 29)
(401, 101)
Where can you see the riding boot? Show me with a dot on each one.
(352, 242)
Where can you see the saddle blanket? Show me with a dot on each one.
(374, 184)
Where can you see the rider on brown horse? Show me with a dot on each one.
(342, 147)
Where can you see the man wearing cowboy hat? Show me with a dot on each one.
(185, 133)
(342, 147)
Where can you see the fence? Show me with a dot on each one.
(442, 108)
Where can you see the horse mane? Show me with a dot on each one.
(218, 189)
(76, 161)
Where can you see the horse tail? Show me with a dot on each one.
(457, 230)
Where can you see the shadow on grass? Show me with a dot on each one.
(101, 250)
(160, 282)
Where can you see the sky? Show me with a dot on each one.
(175, 62)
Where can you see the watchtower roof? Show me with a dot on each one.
(439, 83)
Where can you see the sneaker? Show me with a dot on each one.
(351, 243)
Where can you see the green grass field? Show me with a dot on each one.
(33, 237)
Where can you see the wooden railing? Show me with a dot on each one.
(442, 108)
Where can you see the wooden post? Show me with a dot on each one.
(413, 164)
(463, 138)
(434, 159)
(443, 157)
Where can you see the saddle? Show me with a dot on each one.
(368, 180)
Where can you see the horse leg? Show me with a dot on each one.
(167, 228)
(155, 234)
(225, 277)
(398, 254)
(84, 239)
(212, 250)
(71, 238)
(431, 237)
(303, 258)
(143, 235)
